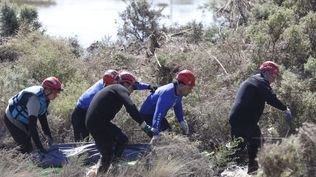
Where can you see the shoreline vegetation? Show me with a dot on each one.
(220, 56)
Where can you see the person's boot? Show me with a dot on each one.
(252, 167)
(104, 167)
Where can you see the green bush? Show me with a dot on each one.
(9, 21)
(309, 27)
(13, 19)
(310, 66)
(139, 21)
(296, 47)
(294, 156)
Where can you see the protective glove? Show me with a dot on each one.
(42, 150)
(154, 140)
(152, 88)
(288, 114)
(185, 127)
(147, 129)
(50, 140)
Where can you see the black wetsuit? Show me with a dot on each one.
(109, 139)
(247, 109)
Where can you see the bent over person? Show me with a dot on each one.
(156, 106)
(25, 108)
(109, 139)
(80, 111)
(248, 107)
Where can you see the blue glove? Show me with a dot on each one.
(288, 114)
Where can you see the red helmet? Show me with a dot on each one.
(127, 77)
(186, 77)
(52, 83)
(269, 66)
(110, 76)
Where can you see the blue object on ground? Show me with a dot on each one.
(58, 154)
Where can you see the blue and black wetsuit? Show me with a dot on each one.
(156, 106)
(247, 109)
(80, 111)
(109, 139)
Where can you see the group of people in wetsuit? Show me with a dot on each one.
(98, 106)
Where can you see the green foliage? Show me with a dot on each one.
(279, 160)
(296, 47)
(224, 154)
(301, 7)
(309, 26)
(278, 22)
(197, 32)
(139, 21)
(62, 107)
(263, 11)
(43, 57)
(29, 16)
(9, 21)
(12, 20)
(310, 66)
(294, 156)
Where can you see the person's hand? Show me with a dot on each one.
(42, 150)
(152, 88)
(50, 140)
(185, 127)
(154, 140)
(288, 114)
(147, 129)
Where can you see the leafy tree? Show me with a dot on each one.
(139, 21)
(9, 21)
(29, 17)
(13, 20)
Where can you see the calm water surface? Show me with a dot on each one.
(92, 20)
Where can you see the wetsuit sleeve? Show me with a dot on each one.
(142, 86)
(271, 98)
(179, 111)
(33, 131)
(162, 107)
(33, 107)
(130, 106)
(44, 125)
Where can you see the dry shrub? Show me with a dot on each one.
(73, 168)
(172, 156)
(12, 163)
(294, 156)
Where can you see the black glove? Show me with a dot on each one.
(147, 129)
(42, 150)
(152, 88)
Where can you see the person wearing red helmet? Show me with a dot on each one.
(248, 108)
(78, 115)
(156, 106)
(109, 139)
(25, 108)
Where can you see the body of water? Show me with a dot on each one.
(93, 20)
